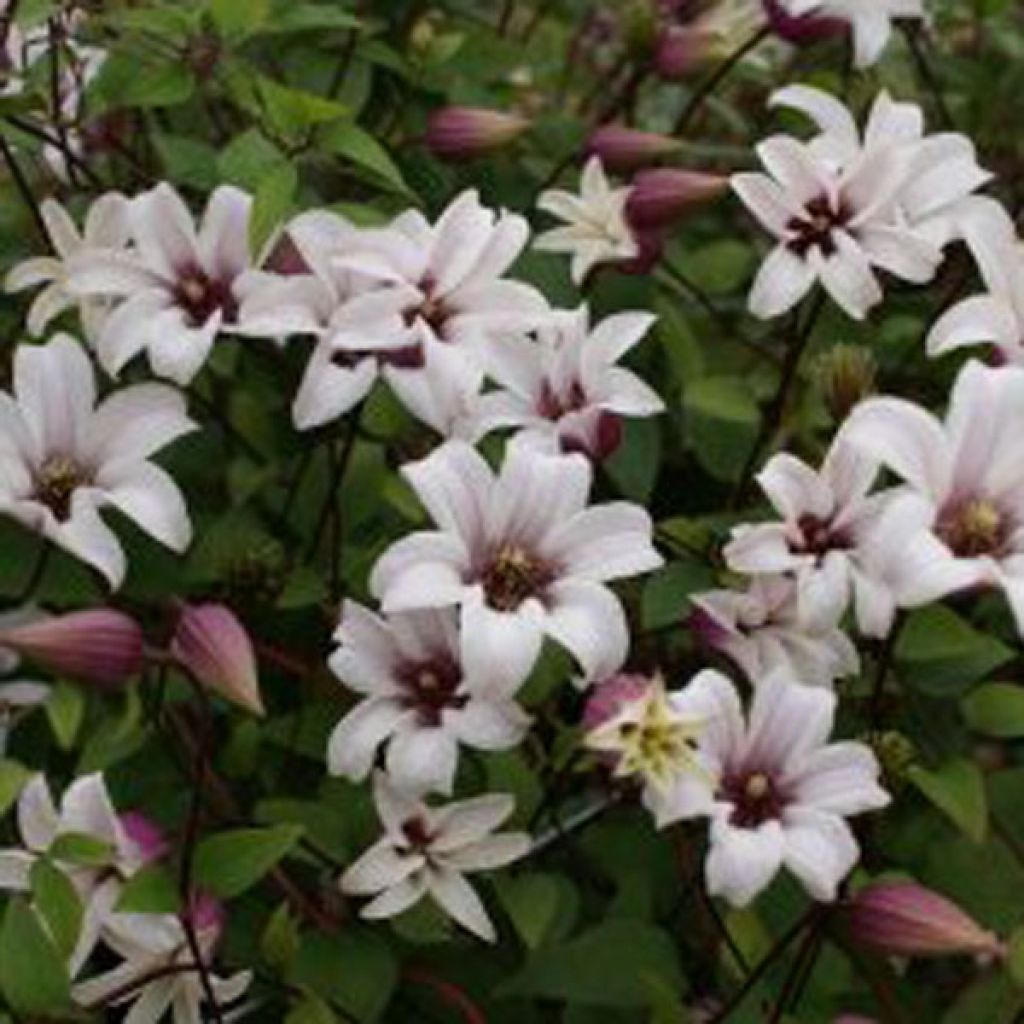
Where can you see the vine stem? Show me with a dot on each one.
(885, 657)
(450, 993)
(24, 189)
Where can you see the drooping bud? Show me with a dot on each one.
(802, 29)
(462, 133)
(145, 835)
(100, 646)
(214, 647)
(624, 149)
(681, 50)
(661, 197)
(906, 919)
(847, 375)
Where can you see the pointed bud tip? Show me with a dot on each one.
(461, 133)
(624, 149)
(662, 196)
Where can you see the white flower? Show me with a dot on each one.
(85, 810)
(427, 851)
(177, 285)
(996, 317)
(870, 20)
(936, 198)
(158, 975)
(596, 229)
(968, 474)
(835, 538)
(760, 630)
(105, 231)
(565, 387)
(647, 735)
(521, 554)
(782, 790)
(427, 689)
(64, 459)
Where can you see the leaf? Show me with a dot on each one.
(123, 82)
(293, 17)
(1015, 956)
(614, 964)
(347, 139)
(271, 204)
(634, 465)
(536, 903)
(280, 942)
(13, 777)
(290, 112)
(722, 421)
(666, 593)
(65, 710)
(56, 899)
(942, 655)
(248, 158)
(151, 890)
(958, 790)
(81, 849)
(239, 18)
(229, 863)
(996, 709)
(188, 161)
(33, 978)
(311, 1011)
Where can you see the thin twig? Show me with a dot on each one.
(24, 189)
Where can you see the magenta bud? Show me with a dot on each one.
(145, 835)
(707, 629)
(610, 696)
(100, 646)
(206, 913)
(906, 919)
(285, 258)
(624, 149)
(462, 133)
(681, 50)
(661, 197)
(803, 29)
(214, 647)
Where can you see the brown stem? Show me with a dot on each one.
(448, 992)
(24, 190)
(885, 656)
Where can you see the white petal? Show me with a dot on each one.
(605, 542)
(981, 318)
(149, 496)
(499, 649)
(354, 740)
(741, 861)
(423, 759)
(460, 901)
(782, 281)
(820, 850)
(37, 816)
(587, 619)
(841, 778)
(380, 867)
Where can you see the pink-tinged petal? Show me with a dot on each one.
(787, 722)
(819, 849)
(979, 319)
(395, 807)
(507, 239)
(792, 165)
(928, 570)
(461, 237)
(100, 645)
(380, 867)
(782, 281)
(328, 390)
(137, 422)
(841, 778)
(177, 351)
(38, 820)
(92, 273)
(499, 649)
(460, 901)
(163, 230)
(460, 133)
(125, 332)
(604, 542)
(422, 570)
(901, 252)
(891, 122)
(223, 243)
(742, 862)
(906, 439)
(469, 821)
(365, 660)
(761, 548)
(213, 645)
(794, 489)
(490, 853)
(144, 839)
(149, 496)
(711, 698)
(422, 759)
(949, 171)
(823, 591)
(588, 621)
(106, 223)
(488, 724)
(847, 276)
(353, 744)
(766, 201)
(396, 900)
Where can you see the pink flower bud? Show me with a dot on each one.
(285, 258)
(145, 835)
(854, 1018)
(100, 646)
(661, 197)
(206, 913)
(611, 695)
(462, 133)
(213, 645)
(800, 29)
(623, 149)
(905, 919)
(681, 50)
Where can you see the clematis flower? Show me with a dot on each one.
(831, 225)
(176, 286)
(65, 458)
(838, 541)
(104, 233)
(596, 228)
(782, 791)
(157, 974)
(566, 386)
(428, 851)
(427, 689)
(643, 735)
(968, 475)
(85, 810)
(936, 198)
(870, 20)
(759, 629)
(520, 553)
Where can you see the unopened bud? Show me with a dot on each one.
(624, 149)
(145, 835)
(906, 919)
(661, 197)
(802, 29)
(462, 133)
(681, 50)
(847, 375)
(214, 647)
(100, 646)
(896, 754)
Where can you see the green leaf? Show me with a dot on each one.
(720, 267)
(13, 777)
(81, 849)
(996, 709)
(56, 899)
(187, 161)
(612, 965)
(634, 465)
(348, 140)
(942, 655)
(125, 82)
(722, 420)
(957, 789)
(1015, 956)
(248, 158)
(237, 19)
(280, 941)
(33, 978)
(271, 204)
(293, 17)
(666, 593)
(311, 1011)
(65, 710)
(151, 890)
(536, 904)
(231, 862)
(290, 112)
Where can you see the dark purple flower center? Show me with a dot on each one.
(815, 227)
(417, 834)
(200, 296)
(512, 575)
(974, 527)
(56, 482)
(818, 537)
(408, 357)
(432, 309)
(431, 687)
(553, 405)
(754, 796)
